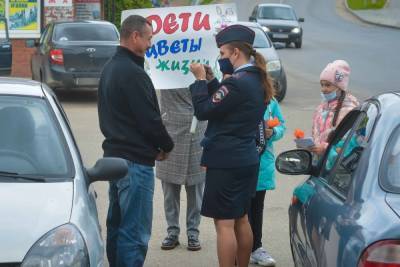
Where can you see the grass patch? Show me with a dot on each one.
(206, 2)
(366, 4)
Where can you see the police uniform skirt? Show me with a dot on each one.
(228, 192)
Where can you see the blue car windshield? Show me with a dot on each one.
(283, 13)
(31, 140)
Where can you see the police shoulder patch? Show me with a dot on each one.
(220, 94)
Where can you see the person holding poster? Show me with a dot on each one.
(130, 121)
(234, 109)
(181, 168)
(182, 35)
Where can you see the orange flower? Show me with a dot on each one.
(271, 123)
(299, 134)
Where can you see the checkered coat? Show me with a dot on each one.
(183, 165)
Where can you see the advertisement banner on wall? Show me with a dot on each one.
(182, 35)
(24, 18)
(23, 14)
(58, 3)
(52, 13)
(2, 12)
(87, 9)
(57, 10)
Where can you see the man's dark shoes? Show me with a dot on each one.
(193, 243)
(170, 242)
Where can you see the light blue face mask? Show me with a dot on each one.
(329, 97)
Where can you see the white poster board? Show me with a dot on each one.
(183, 35)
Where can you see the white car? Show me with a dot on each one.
(48, 214)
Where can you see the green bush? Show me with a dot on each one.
(2, 8)
(121, 5)
(366, 4)
(206, 2)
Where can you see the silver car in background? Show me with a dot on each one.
(47, 204)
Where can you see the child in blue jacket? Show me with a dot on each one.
(266, 181)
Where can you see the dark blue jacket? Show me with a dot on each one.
(233, 109)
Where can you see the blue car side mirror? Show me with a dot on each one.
(294, 162)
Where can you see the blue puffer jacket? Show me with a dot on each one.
(266, 176)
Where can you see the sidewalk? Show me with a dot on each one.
(388, 16)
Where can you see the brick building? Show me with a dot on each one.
(27, 18)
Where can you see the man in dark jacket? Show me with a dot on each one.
(131, 123)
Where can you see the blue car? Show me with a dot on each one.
(347, 212)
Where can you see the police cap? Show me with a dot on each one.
(233, 33)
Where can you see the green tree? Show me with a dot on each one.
(121, 5)
(2, 8)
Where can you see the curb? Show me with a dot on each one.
(367, 20)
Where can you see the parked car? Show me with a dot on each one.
(264, 46)
(71, 54)
(347, 213)
(280, 22)
(47, 204)
(5, 49)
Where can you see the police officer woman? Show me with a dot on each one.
(233, 109)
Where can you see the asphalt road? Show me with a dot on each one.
(330, 33)
(82, 113)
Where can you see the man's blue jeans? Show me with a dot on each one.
(130, 215)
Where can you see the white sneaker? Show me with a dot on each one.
(261, 257)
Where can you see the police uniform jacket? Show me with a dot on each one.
(233, 109)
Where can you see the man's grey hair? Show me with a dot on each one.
(131, 24)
